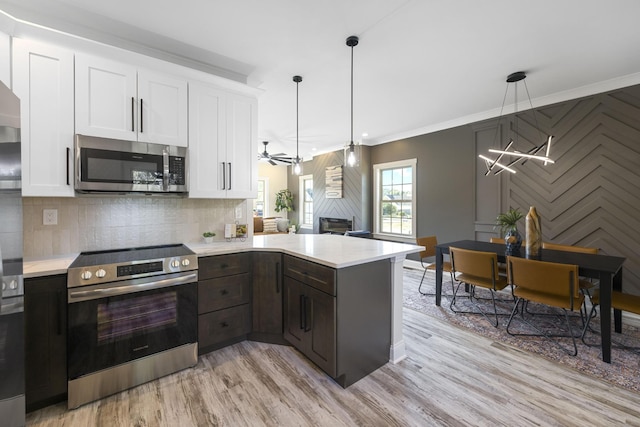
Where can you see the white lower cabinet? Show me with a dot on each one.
(43, 80)
(222, 143)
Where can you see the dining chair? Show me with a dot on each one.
(430, 243)
(551, 284)
(476, 269)
(585, 284)
(620, 301)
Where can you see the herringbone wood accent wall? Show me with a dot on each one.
(591, 195)
(350, 205)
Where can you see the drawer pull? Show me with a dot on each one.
(224, 324)
(224, 292)
(224, 265)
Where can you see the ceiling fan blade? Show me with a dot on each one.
(272, 162)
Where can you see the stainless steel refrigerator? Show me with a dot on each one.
(12, 400)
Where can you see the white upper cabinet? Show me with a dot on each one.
(115, 100)
(222, 143)
(43, 80)
(242, 146)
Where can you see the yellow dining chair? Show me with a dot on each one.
(585, 284)
(476, 269)
(619, 300)
(429, 243)
(548, 283)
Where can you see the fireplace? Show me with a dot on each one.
(334, 225)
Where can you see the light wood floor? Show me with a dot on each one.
(451, 377)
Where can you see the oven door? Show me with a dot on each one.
(129, 320)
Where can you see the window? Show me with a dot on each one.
(260, 203)
(306, 201)
(395, 207)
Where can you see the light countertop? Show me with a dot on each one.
(334, 251)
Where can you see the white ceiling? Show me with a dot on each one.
(421, 65)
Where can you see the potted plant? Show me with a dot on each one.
(208, 236)
(284, 201)
(508, 223)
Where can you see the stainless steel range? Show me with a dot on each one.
(132, 318)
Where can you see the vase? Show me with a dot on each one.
(533, 234)
(513, 241)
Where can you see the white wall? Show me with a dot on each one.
(5, 59)
(276, 177)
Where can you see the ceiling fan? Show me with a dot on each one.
(273, 158)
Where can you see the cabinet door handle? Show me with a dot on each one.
(68, 168)
(224, 176)
(229, 176)
(277, 277)
(307, 328)
(133, 114)
(224, 292)
(224, 324)
(141, 117)
(302, 316)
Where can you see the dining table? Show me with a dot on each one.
(605, 268)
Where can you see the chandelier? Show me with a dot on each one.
(511, 153)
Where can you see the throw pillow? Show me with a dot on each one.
(269, 226)
(257, 224)
(282, 224)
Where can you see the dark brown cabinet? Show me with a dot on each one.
(310, 323)
(339, 318)
(224, 297)
(267, 297)
(45, 310)
(310, 313)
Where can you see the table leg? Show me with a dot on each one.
(438, 275)
(605, 315)
(617, 314)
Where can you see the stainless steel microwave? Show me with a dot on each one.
(117, 166)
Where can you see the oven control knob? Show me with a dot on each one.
(100, 273)
(175, 263)
(4, 286)
(185, 262)
(86, 275)
(13, 284)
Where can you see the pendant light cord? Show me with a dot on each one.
(351, 94)
(297, 142)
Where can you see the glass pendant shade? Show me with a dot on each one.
(296, 167)
(352, 155)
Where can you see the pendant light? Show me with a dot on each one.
(351, 150)
(514, 155)
(296, 168)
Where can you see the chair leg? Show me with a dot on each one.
(540, 331)
(472, 290)
(422, 280)
(433, 294)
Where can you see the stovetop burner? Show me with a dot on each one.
(101, 267)
(117, 256)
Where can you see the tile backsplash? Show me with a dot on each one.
(97, 223)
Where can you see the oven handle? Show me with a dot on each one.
(78, 296)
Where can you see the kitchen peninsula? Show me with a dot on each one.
(361, 279)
